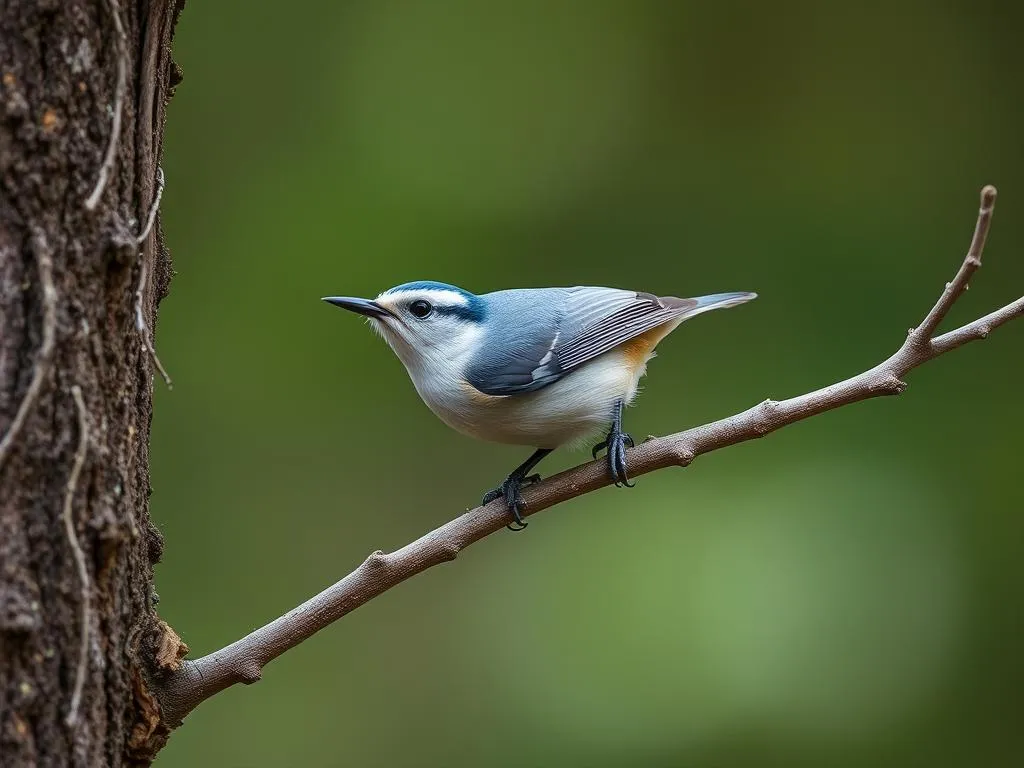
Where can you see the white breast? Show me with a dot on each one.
(576, 407)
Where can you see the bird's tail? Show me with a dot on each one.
(718, 301)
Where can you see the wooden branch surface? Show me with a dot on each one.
(243, 661)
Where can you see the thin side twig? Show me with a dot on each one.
(926, 330)
(121, 46)
(151, 217)
(243, 660)
(143, 328)
(44, 359)
(76, 549)
(140, 289)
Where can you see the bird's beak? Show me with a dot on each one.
(359, 306)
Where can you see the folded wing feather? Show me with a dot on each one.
(523, 356)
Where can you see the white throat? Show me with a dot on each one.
(435, 365)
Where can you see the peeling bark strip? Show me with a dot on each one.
(83, 91)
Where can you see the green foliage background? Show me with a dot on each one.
(846, 592)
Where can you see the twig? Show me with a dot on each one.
(44, 360)
(140, 319)
(142, 327)
(76, 548)
(151, 218)
(243, 660)
(121, 45)
(924, 332)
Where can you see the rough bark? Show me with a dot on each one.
(76, 367)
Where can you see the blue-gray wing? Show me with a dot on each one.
(535, 337)
(516, 353)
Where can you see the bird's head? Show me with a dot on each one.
(423, 320)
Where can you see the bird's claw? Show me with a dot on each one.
(616, 443)
(510, 490)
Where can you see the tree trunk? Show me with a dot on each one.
(79, 636)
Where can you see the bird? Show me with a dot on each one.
(537, 367)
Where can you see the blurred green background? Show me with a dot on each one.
(846, 592)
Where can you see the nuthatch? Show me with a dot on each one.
(539, 366)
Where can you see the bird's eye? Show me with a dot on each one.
(420, 308)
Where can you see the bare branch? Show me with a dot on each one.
(121, 46)
(76, 549)
(44, 360)
(243, 661)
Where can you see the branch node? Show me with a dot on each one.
(250, 673)
(376, 560)
(889, 384)
(767, 410)
(684, 456)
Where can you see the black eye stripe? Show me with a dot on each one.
(421, 309)
(467, 314)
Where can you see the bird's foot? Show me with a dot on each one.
(510, 490)
(616, 443)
